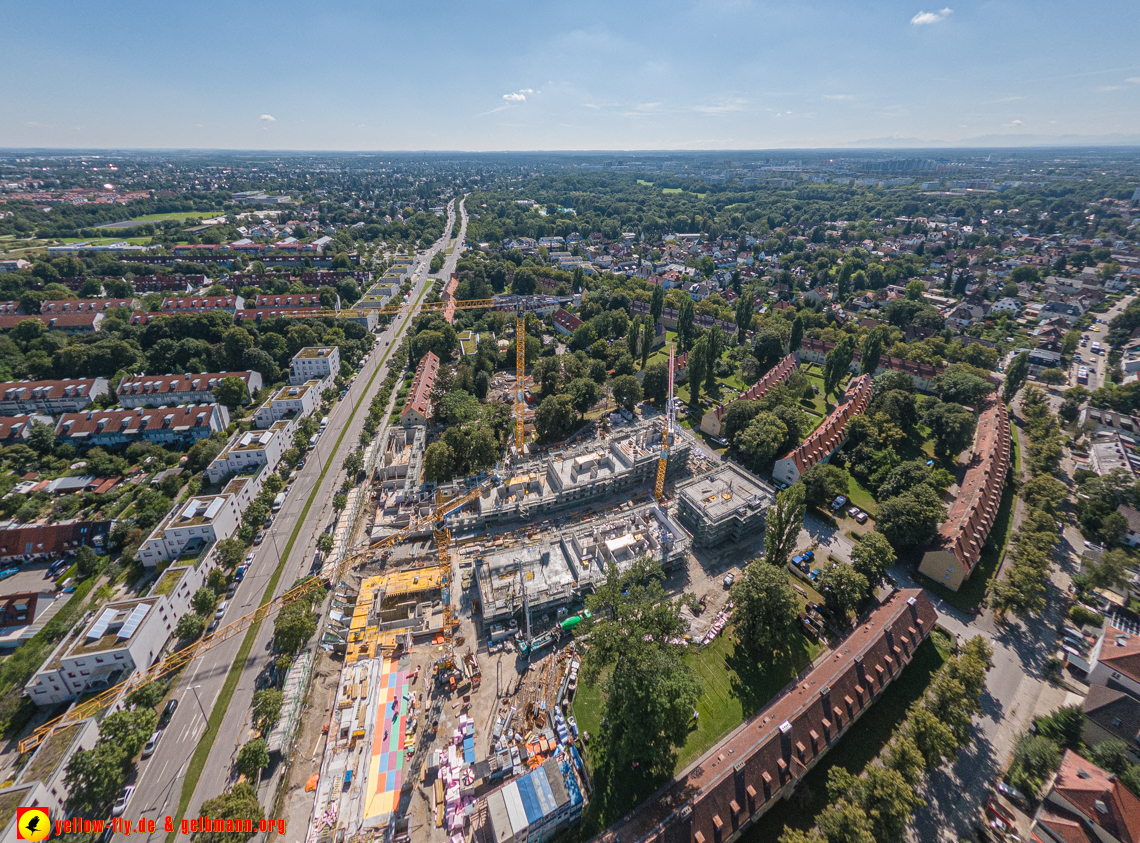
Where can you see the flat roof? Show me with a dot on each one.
(113, 620)
(315, 351)
(722, 492)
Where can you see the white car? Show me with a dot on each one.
(120, 806)
(729, 580)
(225, 604)
(151, 743)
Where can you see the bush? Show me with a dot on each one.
(1083, 616)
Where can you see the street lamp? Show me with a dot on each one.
(195, 688)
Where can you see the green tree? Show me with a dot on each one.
(784, 521)
(822, 482)
(909, 519)
(932, 737)
(1035, 759)
(845, 822)
(252, 758)
(267, 708)
(216, 580)
(837, 363)
(94, 777)
(871, 352)
(229, 553)
(797, 333)
(87, 562)
(340, 501)
(953, 428)
(584, 393)
(439, 462)
(716, 343)
(128, 729)
(698, 360)
(761, 440)
(555, 416)
(650, 691)
(873, 557)
(657, 303)
(655, 382)
(626, 391)
(743, 315)
(294, 625)
(353, 464)
(966, 388)
(41, 437)
(231, 392)
(914, 290)
(190, 627)
(633, 336)
(1015, 376)
(685, 323)
(766, 607)
(204, 601)
(646, 341)
(843, 588)
(238, 803)
(324, 542)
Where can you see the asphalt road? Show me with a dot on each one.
(159, 778)
(1097, 364)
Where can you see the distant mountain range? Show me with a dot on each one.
(1010, 140)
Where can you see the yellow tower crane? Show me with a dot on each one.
(175, 661)
(666, 435)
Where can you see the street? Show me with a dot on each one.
(159, 780)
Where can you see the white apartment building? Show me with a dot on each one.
(192, 525)
(290, 402)
(315, 363)
(247, 451)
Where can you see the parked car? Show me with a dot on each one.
(854, 511)
(814, 575)
(167, 713)
(151, 743)
(249, 556)
(838, 503)
(260, 537)
(729, 580)
(809, 554)
(8, 572)
(120, 806)
(213, 626)
(861, 518)
(221, 610)
(231, 589)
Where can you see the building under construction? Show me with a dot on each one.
(399, 493)
(724, 505)
(616, 463)
(552, 575)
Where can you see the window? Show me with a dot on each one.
(1116, 723)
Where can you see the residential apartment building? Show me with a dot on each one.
(163, 426)
(764, 760)
(56, 307)
(963, 534)
(723, 506)
(50, 397)
(712, 422)
(922, 374)
(417, 409)
(1086, 803)
(254, 448)
(315, 363)
(47, 768)
(158, 390)
(69, 323)
(202, 304)
(826, 439)
(26, 541)
(289, 402)
(191, 527)
(15, 429)
(292, 300)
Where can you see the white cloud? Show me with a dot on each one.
(526, 90)
(839, 96)
(1135, 80)
(1110, 87)
(268, 118)
(923, 18)
(515, 97)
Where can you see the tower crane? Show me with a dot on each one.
(449, 305)
(666, 435)
(435, 520)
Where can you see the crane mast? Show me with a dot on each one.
(666, 435)
(520, 379)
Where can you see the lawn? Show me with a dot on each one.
(736, 687)
(178, 215)
(672, 190)
(861, 745)
(645, 183)
(860, 497)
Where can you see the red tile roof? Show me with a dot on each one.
(53, 320)
(1098, 797)
(896, 364)
(16, 390)
(82, 305)
(285, 312)
(12, 427)
(203, 383)
(95, 422)
(295, 300)
(144, 317)
(1121, 650)
(830, 435)
(762, 760)
(777, 374)
(567, 320)
(196, 303)
(972, 515)
(419, 399)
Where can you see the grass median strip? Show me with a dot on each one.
(221, 706)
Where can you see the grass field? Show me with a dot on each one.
(645, 183)
(671, 190)
(858, 747)
(735, 688)
(178, 215)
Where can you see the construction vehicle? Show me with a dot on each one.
(175, 661)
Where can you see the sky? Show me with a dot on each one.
(616, 75)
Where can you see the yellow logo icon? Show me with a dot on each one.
(32, 824)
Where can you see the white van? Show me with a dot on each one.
(278, 501)
(324, 423)
(313, 440)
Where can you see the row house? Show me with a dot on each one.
(963, 534)
(923, 375)
(712, 422)
(202, 304)
(826, 439)
(159, 390)
(84, 306)
(417, 409)
(26, 541)
(15, 429)
(167, 283)
(292, 300)
(566, 322)
(766, 759)
(50, 397)
(181, 426)
(69, 323)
